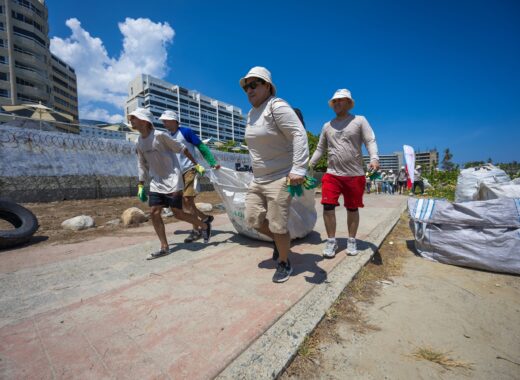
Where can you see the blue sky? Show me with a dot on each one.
(443, 74)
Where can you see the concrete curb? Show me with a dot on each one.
(270, 354)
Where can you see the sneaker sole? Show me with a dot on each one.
(151, 257)
(352, 253)
(329, 257)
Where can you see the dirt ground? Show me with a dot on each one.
(51, 215)
(404, 317)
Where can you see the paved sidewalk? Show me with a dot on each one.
(98, 309)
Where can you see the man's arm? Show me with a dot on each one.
(193, 139)
(369, 139)
(142, 167)
(320, 149)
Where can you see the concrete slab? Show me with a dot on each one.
(98, 309)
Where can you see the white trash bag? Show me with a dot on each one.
(232, 187)
(469, 181)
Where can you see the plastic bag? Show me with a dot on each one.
(232, 187)
(480, 234)
(469, 181)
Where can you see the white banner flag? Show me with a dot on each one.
(409, 157)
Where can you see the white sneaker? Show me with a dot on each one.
(352, 247)
(330, 249)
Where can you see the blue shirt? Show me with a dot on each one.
(190, 140)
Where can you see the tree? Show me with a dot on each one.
(321, 166)
(446, 161)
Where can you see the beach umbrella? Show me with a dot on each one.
(39, 112)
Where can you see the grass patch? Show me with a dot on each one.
(439, 357)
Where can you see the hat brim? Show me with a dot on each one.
(351, 100)
(167, 118)
(243, 81)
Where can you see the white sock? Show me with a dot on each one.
(331, 240)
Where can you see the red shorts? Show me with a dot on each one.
(352, 188)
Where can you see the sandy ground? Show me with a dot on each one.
(51, 215)
(404, 317)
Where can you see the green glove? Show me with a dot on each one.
(200, 169)
(141, 193)
(310, 183)
(295, 190)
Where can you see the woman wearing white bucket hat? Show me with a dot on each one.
(342, 138)
(279, 152)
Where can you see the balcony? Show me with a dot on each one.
(31, 75)
(33, 92)
(29, 43)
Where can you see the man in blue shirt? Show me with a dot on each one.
(188, 138)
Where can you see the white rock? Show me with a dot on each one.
(133, 215)
(81, 222)
(204, 207)
(113, 222)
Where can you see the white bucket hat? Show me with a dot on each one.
(390, 171)
(342, 93)
(142, 114)
(169, 115)
(259, 72)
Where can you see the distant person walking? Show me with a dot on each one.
(391, 178)
(402, 179)
(342, 138)
(417, 180)
(189, 170)
(155, 162)
(279, 152)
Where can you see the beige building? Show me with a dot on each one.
(28, 71)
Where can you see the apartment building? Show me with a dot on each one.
(395, 160)
(29, 73)
(210, 118)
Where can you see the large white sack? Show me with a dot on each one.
(499, 190)
(469, 181)
(232, 187)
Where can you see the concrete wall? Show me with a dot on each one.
(38, 166)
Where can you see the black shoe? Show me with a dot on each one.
(194, 235)
(283, 272)
(209, 219)
(276, 254)
(156, 255)
(206, 234)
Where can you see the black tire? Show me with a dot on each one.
(24, 222)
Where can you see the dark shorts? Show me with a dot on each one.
(402, 183)
(352, 189)
(173, 200)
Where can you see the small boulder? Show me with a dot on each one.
(81, 222)
(133, 215)
(204, 207)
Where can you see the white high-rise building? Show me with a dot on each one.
(209, 118)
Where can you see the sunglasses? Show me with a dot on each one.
(254, 84)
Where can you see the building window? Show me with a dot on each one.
(4, 93)
(3, 60)
(3, 76)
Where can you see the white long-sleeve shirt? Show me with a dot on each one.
(156, 162)
(342, 140)
(276, 140)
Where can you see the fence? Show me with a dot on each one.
(41, 166)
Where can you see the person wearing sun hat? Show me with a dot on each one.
(157, 163)
(279, 152)
(342, 138)
(417, 180)
(189, 138)
(402, 178)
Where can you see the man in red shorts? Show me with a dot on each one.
(341, 138)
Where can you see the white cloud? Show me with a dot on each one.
(101, 114)
(104, 79)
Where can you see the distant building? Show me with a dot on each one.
(29, 73)
(395, 160)
(206, 116)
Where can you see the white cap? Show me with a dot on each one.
(342, 93)
(402, 167)
(259, 72)
(169, 115)
(390, 171)
(142, 114)
(418, 167)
